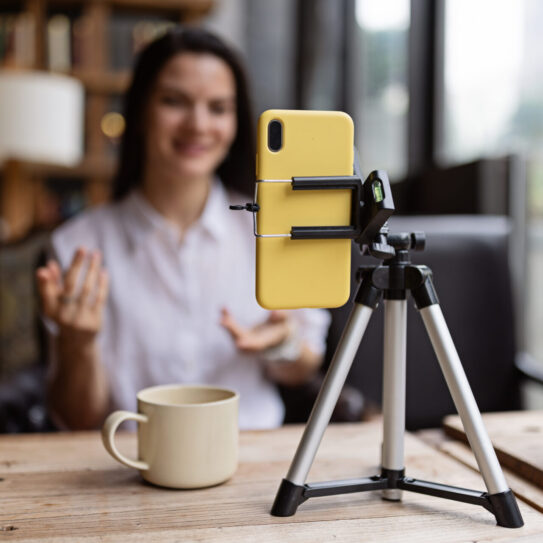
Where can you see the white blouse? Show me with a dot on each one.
(161, 322)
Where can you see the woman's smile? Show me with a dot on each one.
(191, 149)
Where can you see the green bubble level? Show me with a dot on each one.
(377, 191)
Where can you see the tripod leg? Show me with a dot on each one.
(504, 503)
(329, 394)
(289, 495)
(394, 354)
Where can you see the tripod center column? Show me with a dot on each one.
(394, 378)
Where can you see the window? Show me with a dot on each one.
(493, 105)
(381, 97)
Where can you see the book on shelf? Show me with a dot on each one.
(17, 41)
(82, 42)
(24, 40)
(146, 31)
(128, 34)
(59, 48)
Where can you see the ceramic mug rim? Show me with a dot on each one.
(232, 395)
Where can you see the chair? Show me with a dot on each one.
(469, 258)
(22, 339)
(23, 402)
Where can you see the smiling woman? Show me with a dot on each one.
(176, 304)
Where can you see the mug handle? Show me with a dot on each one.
(108, 437)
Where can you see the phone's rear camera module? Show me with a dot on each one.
(275, 135)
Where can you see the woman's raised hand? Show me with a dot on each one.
(263, 336)
(74, 302)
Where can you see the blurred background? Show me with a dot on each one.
(446, 95)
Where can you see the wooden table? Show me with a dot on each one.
(517, 437)
(65, 487)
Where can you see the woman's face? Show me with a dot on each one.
(190, 120)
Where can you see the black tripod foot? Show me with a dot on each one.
(288, 497)
(505, 509)
(385, 499)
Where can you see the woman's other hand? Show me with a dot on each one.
(75, 303)
(273, 331)
(276, 333)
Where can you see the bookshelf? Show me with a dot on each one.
(96, 42)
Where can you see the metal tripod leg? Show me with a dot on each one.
(463, 399)
(329, 394)
(394, 386)
(500, 498)
(290, 491)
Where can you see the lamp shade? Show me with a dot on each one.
(41, 117)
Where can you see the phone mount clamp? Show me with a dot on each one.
(392, 279)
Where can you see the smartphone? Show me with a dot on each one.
(294, 273)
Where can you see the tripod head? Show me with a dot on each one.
(386, 246)
(404, 241)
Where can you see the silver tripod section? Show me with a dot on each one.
(393, 280)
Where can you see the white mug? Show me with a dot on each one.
(187, 435)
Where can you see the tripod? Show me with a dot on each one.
(392, 280)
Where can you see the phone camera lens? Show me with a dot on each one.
(275, 135)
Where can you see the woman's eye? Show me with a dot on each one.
(173, 101)
(220, 109)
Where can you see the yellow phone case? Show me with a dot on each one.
(302, 273)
